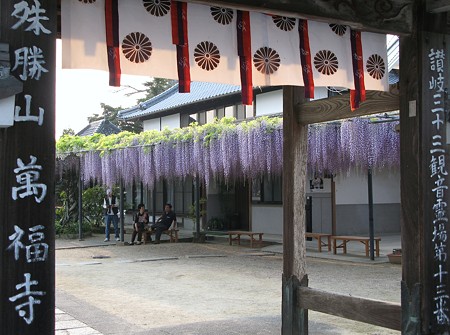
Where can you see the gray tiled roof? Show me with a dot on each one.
(200, 91)
(99, 127)
(394, 76)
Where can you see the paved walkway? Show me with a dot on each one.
(67, 324)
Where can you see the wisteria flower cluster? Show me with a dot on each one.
(355, 144)
(227, 150)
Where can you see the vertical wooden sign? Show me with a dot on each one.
(435, 174)
(27, 164)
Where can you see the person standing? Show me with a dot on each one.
(111, 210)
(140, 220)
(164, 222)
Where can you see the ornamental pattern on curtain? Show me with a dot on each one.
(145, 33)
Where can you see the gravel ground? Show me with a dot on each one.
(210, 288)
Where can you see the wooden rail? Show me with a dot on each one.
(374, 312)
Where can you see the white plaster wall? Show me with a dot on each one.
(153, 124)
(171, 121)
(272, 102)
(352, 189)
(269, 103)
(249, 110)
(267, 219)
(7, 111)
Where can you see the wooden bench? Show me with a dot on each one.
(171, 232)
(250, 234)
(320, 243)
(363, 239)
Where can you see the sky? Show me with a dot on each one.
(80, 92)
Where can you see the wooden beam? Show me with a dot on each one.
(422, 297)
(438, 6)
(374, 312)
(389, 16)
(338, 107)
(295, 149)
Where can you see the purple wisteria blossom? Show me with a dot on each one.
(246, 152)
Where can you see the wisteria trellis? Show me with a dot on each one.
(225, 150)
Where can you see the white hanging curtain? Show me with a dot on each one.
(144, 30)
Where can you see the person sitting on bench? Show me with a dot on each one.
(140, 220)
(164, 222)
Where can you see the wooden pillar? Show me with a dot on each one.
(424, 226)
(27, 170)
(122, 210)
(294, 319)
(80, 201)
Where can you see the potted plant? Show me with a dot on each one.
(396, 256)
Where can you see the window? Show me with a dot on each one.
(240, 112)
(185, 120)
(220, 112)
(201, 118)
(268, 190)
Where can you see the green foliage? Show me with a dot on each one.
(72, 228)
(67, 197)
(192, 212)
(155, 87)
(68, 131)
(215, 224)
(67, 215)
(204, 133)
(92, 205)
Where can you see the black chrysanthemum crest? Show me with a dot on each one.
(266, 60)
(222, 15)
(376, 67)
(157, 7)
(284, 23)
(338, 29)
(207, 55)
(326, 62)
(137, 47)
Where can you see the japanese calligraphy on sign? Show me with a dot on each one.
(27, 176)
(36, 250)
(28, 117)
(32, 62)
(31, 34)
(438, 174)
(26, 309)
(30, 16)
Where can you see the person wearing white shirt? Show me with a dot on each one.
(111, 210)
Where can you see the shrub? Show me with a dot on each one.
(93, 205)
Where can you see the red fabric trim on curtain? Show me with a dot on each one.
(245, 56)
(357, 95)
(305, 59)
(112, 41)
(180, 39)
